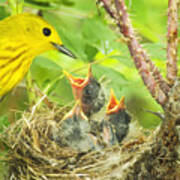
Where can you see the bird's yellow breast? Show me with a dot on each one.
(15, 60)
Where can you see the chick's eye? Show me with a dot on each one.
(46, 31)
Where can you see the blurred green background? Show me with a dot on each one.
(90, 34)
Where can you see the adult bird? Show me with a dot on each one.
(22, 38)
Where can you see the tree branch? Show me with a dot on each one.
(148, 71)
(172, 41)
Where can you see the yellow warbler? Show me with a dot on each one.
(22, 37)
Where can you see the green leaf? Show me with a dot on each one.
(91, 52)
(3, 12)
(98, 34)
(150, 24)
(74, 42)
(61, 92)
(45, 72)
(115, 78)
(41, 5)
(156, 50)
(3, 122)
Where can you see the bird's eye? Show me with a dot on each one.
(46, 31)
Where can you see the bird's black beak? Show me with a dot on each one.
(64, 50)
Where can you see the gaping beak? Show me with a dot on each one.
(78, 84)
(114, 105)
(64, 50)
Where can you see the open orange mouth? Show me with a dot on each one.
(114, 105)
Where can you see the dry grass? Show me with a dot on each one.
(34, 155)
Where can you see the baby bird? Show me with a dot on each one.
(117, 116)
(74, 131)
(89, 91)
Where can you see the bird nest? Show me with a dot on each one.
(34, 154)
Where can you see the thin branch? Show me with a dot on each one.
(148, 71)
(172, 41)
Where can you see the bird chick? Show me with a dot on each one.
(74, 131)
(89, 91)
(117, 116)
